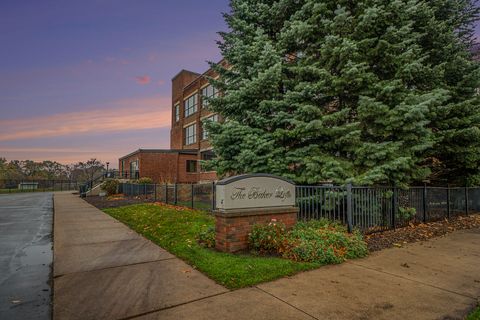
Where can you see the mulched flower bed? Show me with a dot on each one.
(115, 201)
(420, 232)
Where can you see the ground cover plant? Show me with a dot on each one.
(474, 315)
(321, 241)
(177, 229)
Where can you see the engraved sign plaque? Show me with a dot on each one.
(254, 191)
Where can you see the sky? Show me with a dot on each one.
(91, 78)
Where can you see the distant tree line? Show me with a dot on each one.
(49, 170)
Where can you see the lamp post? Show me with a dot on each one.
(107, 168)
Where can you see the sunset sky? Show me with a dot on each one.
(91, 78)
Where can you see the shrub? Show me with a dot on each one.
(145, 180)
(110, 186)
(267, 239)
(321, 241)
(327, 244)
(207, 238)
(406, 213)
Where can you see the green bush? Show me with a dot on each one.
(406, 213)
(319, 241)
(323, 242)
(110, 186)
(267, 239)
(207, 238)
(145, 180)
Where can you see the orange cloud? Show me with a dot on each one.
(143, 80)
(161, 82)
(64, 156)
(117, 116)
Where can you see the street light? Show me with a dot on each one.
(107, 167)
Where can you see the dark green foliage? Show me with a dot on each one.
(320, 241)
(406, 214)
(110, 186)
(474, 315)
(365, 91)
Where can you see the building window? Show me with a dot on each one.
(177, 112)
(191, 105)
(134, 170)
(213, 118)
(206, 156)
(208, 92)
(191, 166)
(191, 134)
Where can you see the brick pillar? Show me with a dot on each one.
(233, 226)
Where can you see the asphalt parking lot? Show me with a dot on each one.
(26, 255)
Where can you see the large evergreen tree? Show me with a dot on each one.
(346, 90)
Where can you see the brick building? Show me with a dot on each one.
(189, 144)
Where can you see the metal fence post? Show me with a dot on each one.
(349, 207)
(175, 196)
(448, 201)
(145, 190)
(213, 195)
(424, 203)
(394, 207)
(166, 193)
(155, 192)
(466, 200)
(192, 194)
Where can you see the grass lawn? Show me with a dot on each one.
(175, 229)
(475, 315)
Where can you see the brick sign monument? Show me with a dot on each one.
(245, 200)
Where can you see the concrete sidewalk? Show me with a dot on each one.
(103, 270)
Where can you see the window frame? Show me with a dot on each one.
(190, 137)
(176, 108)
(188, 166)
(190, 105)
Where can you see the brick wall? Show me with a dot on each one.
(163, 167)
(232, 228)
(183, 175)
(184, 85)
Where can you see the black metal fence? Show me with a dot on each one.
(12, 186)
(369, 209)
(373, 209)
(196, 196)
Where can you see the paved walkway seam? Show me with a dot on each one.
(174, 306)
(114, 267)
(274, 296)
